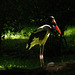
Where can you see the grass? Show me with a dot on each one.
(70, 36)
(18, 63)
(14, 54)
(24, 34)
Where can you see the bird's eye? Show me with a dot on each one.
(53, 21)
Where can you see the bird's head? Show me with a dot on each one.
(53, 23)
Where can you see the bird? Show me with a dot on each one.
(40, 36)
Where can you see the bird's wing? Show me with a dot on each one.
(42, 28)
(38, 33)
(38, 30)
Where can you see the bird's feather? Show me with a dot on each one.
(39, 36)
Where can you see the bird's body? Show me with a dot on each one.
(39, 36)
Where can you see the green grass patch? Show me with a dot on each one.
(70, 37)
(13, 52)
(23, 34)
(9, 62)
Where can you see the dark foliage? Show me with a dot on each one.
(15, 14)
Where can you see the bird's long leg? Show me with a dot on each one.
(41, 55)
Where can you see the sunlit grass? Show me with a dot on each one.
(23, 34)
(26, 32)
(2, 68)
(70, 31)
(70, 35)
(11, 46)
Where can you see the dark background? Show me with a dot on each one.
(16, 14)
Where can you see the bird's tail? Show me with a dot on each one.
(27, 47)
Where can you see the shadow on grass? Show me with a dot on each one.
(16, 49)
(24, 71)
(59, 69)
(12, 47)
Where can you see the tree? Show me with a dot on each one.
(15, 13)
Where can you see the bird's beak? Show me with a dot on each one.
(56, 27)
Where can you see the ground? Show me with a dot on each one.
(14, 58)
(66, 68)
